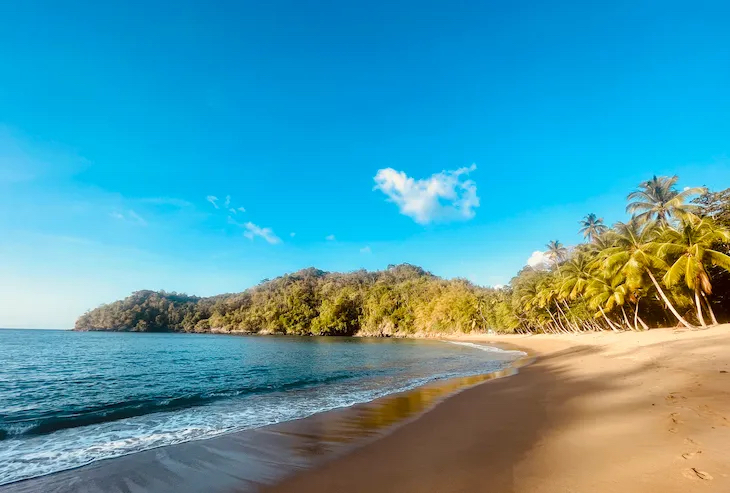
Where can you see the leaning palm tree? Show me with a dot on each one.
(576, 273)
(658, 199)
(556, 251)
(592, 226)
(633, 256)
(609, 293)
(689, 249)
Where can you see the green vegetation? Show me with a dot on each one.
(667, 265)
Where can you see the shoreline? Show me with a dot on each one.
(600, 412)
(603, 412)
(247, 460)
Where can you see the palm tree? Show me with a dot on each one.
(576, 274)
(592, 226)
(609, 293)
(658, 199)
(556, 251)
(632, 256)
(689, 249)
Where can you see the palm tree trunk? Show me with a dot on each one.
(557, 322)
(637, 318)
(667, 302)
(610, 324)
(709, 309)
(570, 325)
(575, 324)
(626, 319)
(699, 308)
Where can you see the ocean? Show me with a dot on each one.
(71, 398)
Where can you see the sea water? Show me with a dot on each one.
(70, 398)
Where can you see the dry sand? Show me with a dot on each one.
(629, 412)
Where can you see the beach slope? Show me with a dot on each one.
(629, 412)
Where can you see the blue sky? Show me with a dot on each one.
(460, 136)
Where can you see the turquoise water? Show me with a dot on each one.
(70, 398)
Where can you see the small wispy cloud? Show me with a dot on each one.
(253, 231)
(135, 217)
(292, 234)
(128, 216)
(227, 204)
(366, 250)
(240, 209)
(213, 200)
(444, 196)
(330, 238)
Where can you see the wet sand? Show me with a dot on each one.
(630, 412)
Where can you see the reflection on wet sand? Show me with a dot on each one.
(326, 434)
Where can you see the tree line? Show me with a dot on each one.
(667, 265)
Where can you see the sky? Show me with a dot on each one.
(201, 147)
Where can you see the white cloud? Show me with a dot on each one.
(538, 260)
(499, 286)
(241, 209)
(212, 199)
(252, 231)
(135, 217)
(233, 211)
(330, 238)
(129, 216)
(366, 250)
(444, 196)
(292, 234)
(228, 201)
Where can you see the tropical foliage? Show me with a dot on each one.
(668, 264)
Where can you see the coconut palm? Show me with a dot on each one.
(592, 226)
(633, 256)
(556, 251)
(576, 274)
(689, 250)
(658, 199)
(608, 293)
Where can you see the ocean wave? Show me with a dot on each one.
(490, 349)
(141, 407)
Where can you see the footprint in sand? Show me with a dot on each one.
(693, 473)
(689, 455)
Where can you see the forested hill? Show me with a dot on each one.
(400, 300)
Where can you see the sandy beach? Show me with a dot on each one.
(603, 412)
